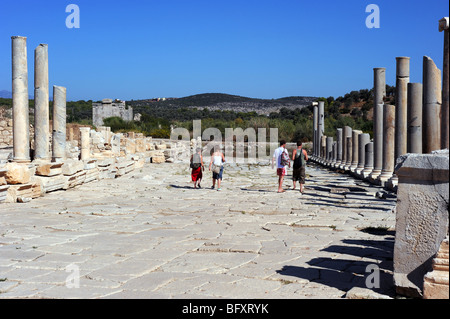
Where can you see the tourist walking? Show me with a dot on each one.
(299, 157)
(197, 167)
(281, 156)
(216, 166)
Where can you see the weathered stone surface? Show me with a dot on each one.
(75, 179)
(158, 159)
(364, 293)
(436, 285)
(3, 192)
(17, 173)
(50, 169)
(71, 167)
(160, 146)
(422, 217)
(150, 233)
(51, 183)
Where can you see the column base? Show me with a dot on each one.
(365, 173)
(384, 178)
(21, 161)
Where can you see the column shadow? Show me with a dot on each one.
(352, 269)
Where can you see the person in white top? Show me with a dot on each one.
(281, 167)
(217, 160)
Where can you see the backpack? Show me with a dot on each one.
(299, 159)
(284, 158)
(196, 161)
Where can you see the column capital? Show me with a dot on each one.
(443, 24)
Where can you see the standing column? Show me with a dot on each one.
(355, 149)
(389, 144)
(401, 98)
(329, 153)
(368, 161)
(315, 126)
(70, 134)
(349, 143)
(20, 107)
(346, 133)
(339, 135)
(59, 124)
(443, 26)
(333, 154)
(321, 126)
(348, 148)
(363, 139)
(415, 118)
(323, 149)
(432, 98)
(85, 147)
(41, 98)
(379, 94)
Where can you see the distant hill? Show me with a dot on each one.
(224, 102)
(5, 94)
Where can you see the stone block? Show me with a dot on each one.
(49, 169)
(90, 164)
(72, 167)
(75, 179)
(3, 193)
(161, 147)
(17, 173)
(92, 175)
(51, 183)
(158, 159)
(130, 146)
(105, 162)
(21, 193)
(436, 285)
(422, 217)
(140, 145)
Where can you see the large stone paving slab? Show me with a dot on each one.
(149, 234)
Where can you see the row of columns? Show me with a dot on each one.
(417, 123)
(21, 124)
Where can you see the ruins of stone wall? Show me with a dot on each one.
(110, 156)
(6, 132)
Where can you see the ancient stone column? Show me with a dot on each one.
(443, 26)
(401, 98)
(388, 143)
(333, 154)
(349, 144)
(85, 145)
(70, 134)
(59, 124)
(363, 140)
(20, 107)
(432, 99)
(41, 104)
(368, 161)
(329, 153)
(339, 143)
(414, 118)
(379, 94)
(315, 126)
(321, 123)
(355, 149)
(323, 148)
(346, 133)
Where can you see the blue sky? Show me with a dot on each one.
(138, 49)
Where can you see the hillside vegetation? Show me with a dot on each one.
(291, 115)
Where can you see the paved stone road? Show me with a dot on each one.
(149, 234)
